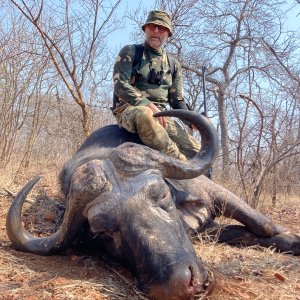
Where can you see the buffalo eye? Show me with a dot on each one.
(160, 194)
(166, 203)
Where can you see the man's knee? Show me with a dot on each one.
(143, 114)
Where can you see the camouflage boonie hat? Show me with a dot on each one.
(159, 17)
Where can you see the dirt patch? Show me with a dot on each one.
(248, 273)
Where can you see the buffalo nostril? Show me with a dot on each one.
(194, 280)
(184, 284)
(201, 282)
(208, 283)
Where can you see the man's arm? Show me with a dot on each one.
(122, 74)
(175, 96)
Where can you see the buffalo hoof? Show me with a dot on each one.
(287, 242)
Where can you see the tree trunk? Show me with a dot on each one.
(224, 133)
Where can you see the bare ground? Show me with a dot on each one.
(247, 273)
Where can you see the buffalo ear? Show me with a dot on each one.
(178, 194)
(102, 218)
(194, 211)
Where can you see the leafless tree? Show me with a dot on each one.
(20, 75)
(252, 61)
(265, 141)
(229, 38)
(52, 55)
(74, 33)
(32, 90)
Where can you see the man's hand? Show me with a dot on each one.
(162, 120)
(193, 127)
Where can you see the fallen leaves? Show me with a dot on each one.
(279, 277)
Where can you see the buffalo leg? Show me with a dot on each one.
(219, 201)
(239, 235)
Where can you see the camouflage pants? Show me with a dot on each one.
(172, 140)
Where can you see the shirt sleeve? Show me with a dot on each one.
(122, 78)
(175, 97)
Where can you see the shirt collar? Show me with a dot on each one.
(157, 52)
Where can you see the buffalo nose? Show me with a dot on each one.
(184, 284)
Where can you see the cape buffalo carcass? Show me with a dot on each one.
(142, 205)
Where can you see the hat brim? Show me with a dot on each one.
(158, 23)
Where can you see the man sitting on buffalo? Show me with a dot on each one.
(145, 84)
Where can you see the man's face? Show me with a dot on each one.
(156, 35)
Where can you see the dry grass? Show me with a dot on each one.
(248, 273)
(252, 273)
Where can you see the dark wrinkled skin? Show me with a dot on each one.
(143, 217)
(165, 248)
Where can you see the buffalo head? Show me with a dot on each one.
(123, 196)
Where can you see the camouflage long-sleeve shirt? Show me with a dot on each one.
(132, 85)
